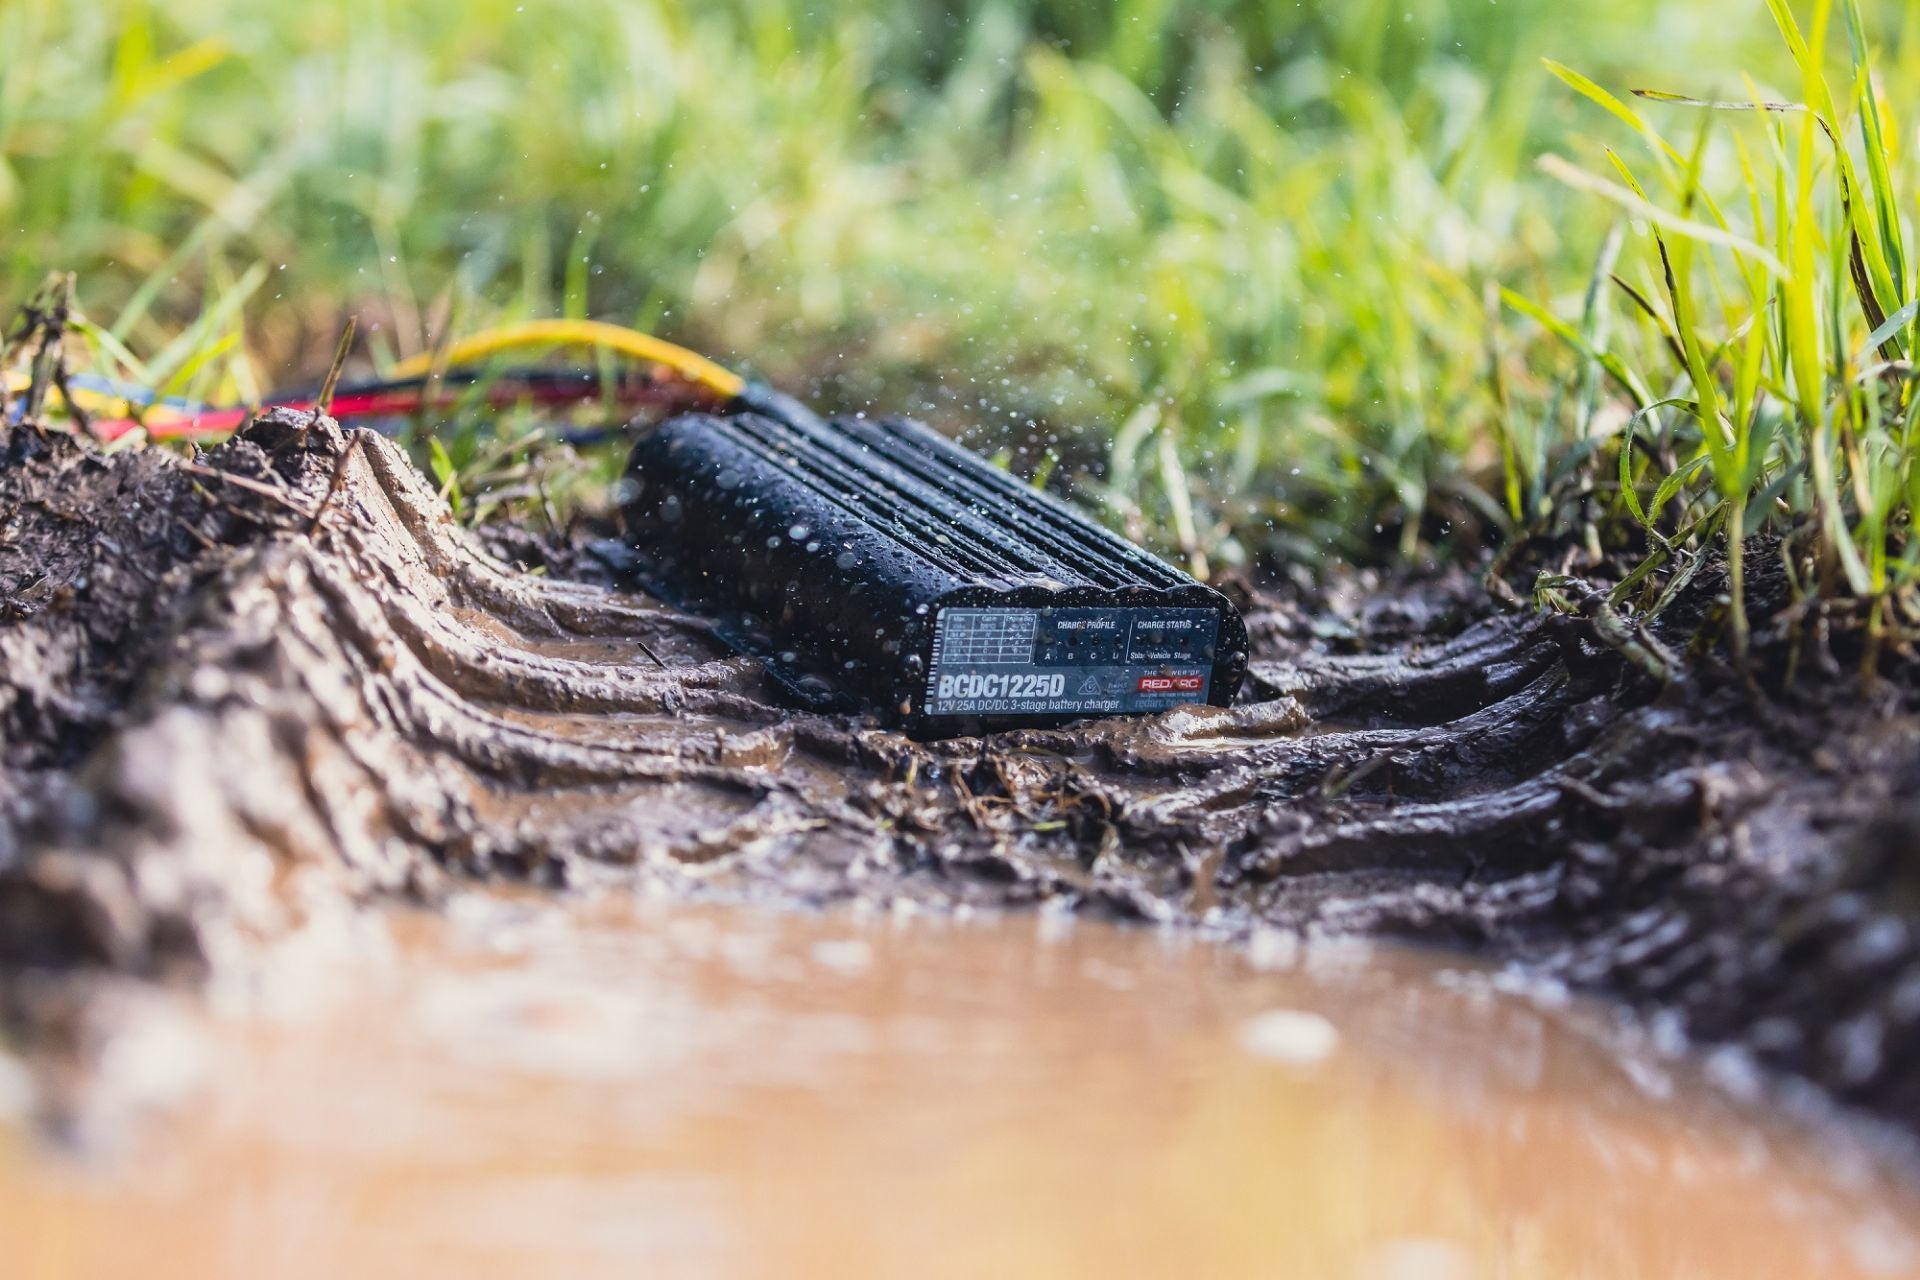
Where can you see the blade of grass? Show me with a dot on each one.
(1639, 206)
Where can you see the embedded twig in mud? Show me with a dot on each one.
(82, 422)
(1630, 640)
(43, 323)
(211, 723)
(339, 478)
(254, 487)
(323, 403)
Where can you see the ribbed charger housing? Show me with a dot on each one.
(876, 562)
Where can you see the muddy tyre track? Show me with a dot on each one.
(278, 679)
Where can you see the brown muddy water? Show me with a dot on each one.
(615, 1086)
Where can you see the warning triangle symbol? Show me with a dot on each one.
(1090, 687)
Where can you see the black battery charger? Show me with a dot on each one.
(874, 563)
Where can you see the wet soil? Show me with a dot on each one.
(244, 690)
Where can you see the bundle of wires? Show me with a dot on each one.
(669, 377)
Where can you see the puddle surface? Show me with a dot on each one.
(610, 1088)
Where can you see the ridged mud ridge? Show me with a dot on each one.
(279, 678)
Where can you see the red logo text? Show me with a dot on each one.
(1171, 684)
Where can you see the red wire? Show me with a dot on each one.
(386, 404)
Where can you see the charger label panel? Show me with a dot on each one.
(1069, 662)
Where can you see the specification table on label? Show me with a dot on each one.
(988, 637)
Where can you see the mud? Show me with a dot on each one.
(245, 688)
(609, 1084)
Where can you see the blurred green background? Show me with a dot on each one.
(1228, 267)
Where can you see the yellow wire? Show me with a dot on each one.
(15, 383)
(582, 333)
(695, 368)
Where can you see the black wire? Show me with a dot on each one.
(524, 375)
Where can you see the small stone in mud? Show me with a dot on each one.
(848, 957)
(1291, 1036)
(1273, 949)
(16, 1090)
(1415, 1258)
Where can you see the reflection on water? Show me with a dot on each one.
(609, 1088)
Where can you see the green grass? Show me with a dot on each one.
(1780, 293)
(1263, 282)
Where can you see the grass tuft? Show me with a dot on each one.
(1361, 283)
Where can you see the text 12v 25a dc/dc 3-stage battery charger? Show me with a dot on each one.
(876, 562)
